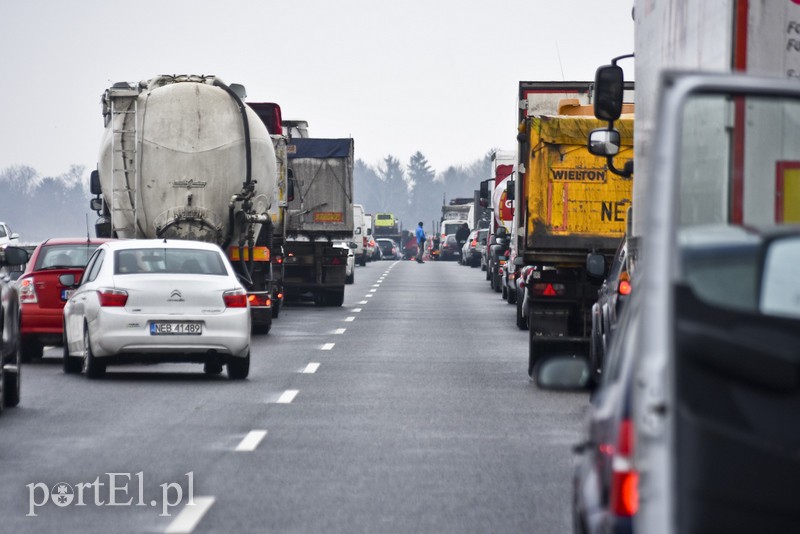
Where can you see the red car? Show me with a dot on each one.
(41, 295)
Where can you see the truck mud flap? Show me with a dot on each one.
(540, 346)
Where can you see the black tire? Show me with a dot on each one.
(522, 322)
(12, 380)
(503, 289)
(512, 296)
(533, 353)
(276, 308)
(31, 349)
(72, 365)
(91, 367)
(239, 368)
(334, 297)
(212, 368)
(262, 329)
(351, 278)
(496, 282)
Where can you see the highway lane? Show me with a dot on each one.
(406, 410)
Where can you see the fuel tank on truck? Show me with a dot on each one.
(174, 155)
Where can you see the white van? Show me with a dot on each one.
(360, 233)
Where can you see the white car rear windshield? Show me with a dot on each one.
(177, 261)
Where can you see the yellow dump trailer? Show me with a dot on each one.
(571, 214)
(574, 202)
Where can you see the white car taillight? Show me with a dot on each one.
(112, 298)
(235, 298)
(27, 292)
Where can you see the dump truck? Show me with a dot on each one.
(183, 157)
(571, 210)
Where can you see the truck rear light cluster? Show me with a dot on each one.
(333, 260)
(624, 478)
(235, 298)
(112, 298)
(27, 291)
(277, 259)
(546, 289)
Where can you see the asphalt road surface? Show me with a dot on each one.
(408, 409)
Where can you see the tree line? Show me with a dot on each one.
(415, 192)
(39, 207)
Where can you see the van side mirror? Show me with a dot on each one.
(609, 85)
(510, 194)
(484, 194)
(596, 265)
(604, 142)
(96, 204)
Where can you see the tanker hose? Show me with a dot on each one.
(246, 124)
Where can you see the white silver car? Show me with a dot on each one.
(157, 301)
(350, 276)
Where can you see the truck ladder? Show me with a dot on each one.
(125, 177)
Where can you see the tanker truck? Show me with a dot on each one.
(183, 157)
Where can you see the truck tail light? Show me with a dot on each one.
(624, 478)
(546, 289)
(27, 291)
(112, 298)
(333, 260)
(277, 259)
(236, 298)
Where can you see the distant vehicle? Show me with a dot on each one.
(472, 250)
(151, 301)
(611, 298)
(350, 276)
(7, 236)
(448, 250)
(10, 355)
(389, 248)
(42, 296)
(360, 236)
(385, 224)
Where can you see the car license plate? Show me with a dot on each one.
(66, 294)
(173, 328)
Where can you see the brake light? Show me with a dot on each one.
(278, 259)
(27, 292)
(624, 284)
(333, 260)
(474, 243)
(365, 241)
(548, 289)
(235, 298)
(624, 479)
(112, 298)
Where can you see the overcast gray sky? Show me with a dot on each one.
(401, 76)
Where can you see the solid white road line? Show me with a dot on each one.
(251, 440)
(186, 521)
(288, 396)
(340, 331)
(327, 346)
(311, 368)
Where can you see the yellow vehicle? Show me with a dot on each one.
(571, 213)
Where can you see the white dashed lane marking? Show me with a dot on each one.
(349, 319)
(357, 310)
(339, 331)
(288, 396)
(251, 440)
(186, 521)
(327, 346)
(368, 296)
(363, 301)
(311, 368)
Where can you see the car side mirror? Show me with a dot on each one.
(595, 265)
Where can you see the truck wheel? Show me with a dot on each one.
(239, 368)
(533, 354)
(334, 297)
(72, 365)
(91, 366)
(496, 283)
(512, 296)
(351, 279)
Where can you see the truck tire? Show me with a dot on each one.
(512, 296)
(496, 280)
(522, 322)
(239, 368)
(533, 353)
(351, 278)
(334, 297)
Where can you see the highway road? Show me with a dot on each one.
(408, 409)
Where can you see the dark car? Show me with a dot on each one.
(41, 294)
(389, 249)
(10, 355)
(611, 298)
(497, 258)
(473, 248)
(449, 249)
